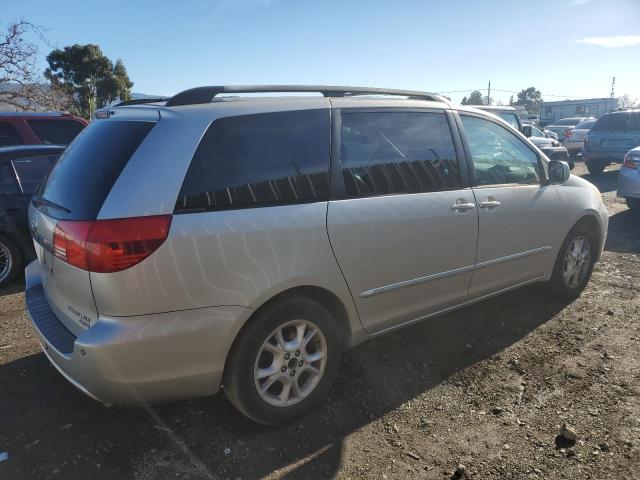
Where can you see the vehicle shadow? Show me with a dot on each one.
(606, 182)
(48, 426)
(624, 232)
(16, 286)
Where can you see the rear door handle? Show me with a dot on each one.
(461, 206)
(490, 204)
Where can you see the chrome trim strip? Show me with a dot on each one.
(448, 273)
(515, 256)
(415, 281)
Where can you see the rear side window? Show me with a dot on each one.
(56, 132)
(9, 135)
(88, 168)
(259, 160)
(32, 170)
(384, 153)
(618, 122)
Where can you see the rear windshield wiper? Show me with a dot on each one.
(43, 201)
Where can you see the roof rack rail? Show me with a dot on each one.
(140, 101)
(200, 95)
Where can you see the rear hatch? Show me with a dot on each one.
(73, 194)
(617, 132)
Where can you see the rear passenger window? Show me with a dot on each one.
(259, 160)
(32, 170)
(385, 153)
(9, 135)
(56, 132)
(8, 183)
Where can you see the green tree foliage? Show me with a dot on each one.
(90, 77)
(475, 98)
(530, 99)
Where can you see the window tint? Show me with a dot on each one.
(623, 121)
(259, 160)
(32, 170)
(8, 183)
(9, 135)
(397, 152)
(499, 157)
(56, 132)
(88, 168)
(510, 118)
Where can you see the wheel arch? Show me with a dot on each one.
(591, 221)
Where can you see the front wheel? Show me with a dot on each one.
(10, 261)
(284, 362)
(574, 264)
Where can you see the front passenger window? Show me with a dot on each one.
(499, 157)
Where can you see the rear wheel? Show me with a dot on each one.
(574, 264)
(596, 168)
(10, 261)
(284, 362)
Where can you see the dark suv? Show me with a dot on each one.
(22, 168)
(613, 135)
(32, 128)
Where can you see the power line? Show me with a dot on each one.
(510, 91)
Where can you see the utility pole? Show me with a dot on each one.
(489, 94)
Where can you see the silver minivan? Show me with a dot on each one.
(223, 240)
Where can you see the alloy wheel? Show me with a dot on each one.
(576, 261)
(6, 261)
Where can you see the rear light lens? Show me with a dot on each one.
(109, 245)
(631, 162)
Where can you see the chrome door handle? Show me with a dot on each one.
(490, 204)
(462, 207)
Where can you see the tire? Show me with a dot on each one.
(634, 205)
(596, 168)
(570, 288)
(250, 353)
(10, 261)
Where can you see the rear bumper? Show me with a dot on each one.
(573, 147)
(606, 157)
(628, 183)
(140, 359)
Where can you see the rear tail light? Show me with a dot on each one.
(568, 133)
(109, 245)
(631, 162)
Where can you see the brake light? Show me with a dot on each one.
(630, 162)
(568, 133)
(109, 245)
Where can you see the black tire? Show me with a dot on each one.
(15, 259)
(596, 168)
(238, 380)
(558, 286)
(634, 205)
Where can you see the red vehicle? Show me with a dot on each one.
(32, 128)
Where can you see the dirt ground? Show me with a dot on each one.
(487, 387)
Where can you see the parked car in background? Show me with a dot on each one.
(202, 244)
(629, 179)
(32, 128)
(565, 124)
(610, 138)
(550, 147)
(22, 168)
(574, 137)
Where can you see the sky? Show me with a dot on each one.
(564, 48)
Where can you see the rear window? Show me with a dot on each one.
(9, 135)
(56, 132)
(586, 125)
(32, 170)
(88, 168)
(618, 122)
(567, 121)
(259, 160)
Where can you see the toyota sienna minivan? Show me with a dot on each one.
(221, 241)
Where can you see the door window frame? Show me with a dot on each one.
(336, 179)
(544, 180)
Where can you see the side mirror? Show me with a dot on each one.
(558, 172)
(526, 130)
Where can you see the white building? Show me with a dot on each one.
(590, 107)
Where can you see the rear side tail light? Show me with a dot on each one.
(109, 245)
(631, 162)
